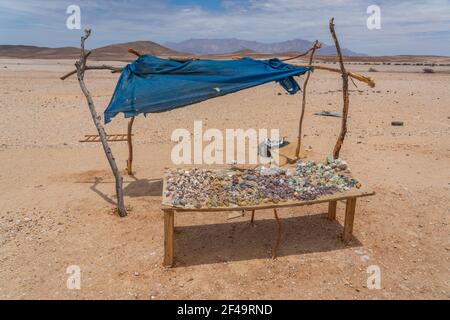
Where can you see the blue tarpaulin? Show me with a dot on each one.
(152, 84)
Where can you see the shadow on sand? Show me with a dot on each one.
(236, 241)
(136, 188)
(143, 187)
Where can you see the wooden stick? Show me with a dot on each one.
(280, 230)
(185, 59)
(131, 50)
(341, 137)
(102, 67)
(253, 217)
(369, 81)
(305, 84)
(130, 147)
(316, 45)
(81, 67)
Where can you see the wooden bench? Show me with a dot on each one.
(349, 196)
(117, 138)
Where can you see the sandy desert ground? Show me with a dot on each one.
(57, 195)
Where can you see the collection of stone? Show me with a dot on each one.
(200, 188)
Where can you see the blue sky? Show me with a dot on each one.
(407, 27)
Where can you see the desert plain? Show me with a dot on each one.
(57, 198)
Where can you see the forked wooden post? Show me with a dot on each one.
(81, 67)
(349, 218)
(169, 223)
(130, 147)
(341, 137)
(332, 210)
(302, 114)
(130, 129)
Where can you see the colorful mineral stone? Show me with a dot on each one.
(308, 180)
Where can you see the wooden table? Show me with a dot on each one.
(349, 196)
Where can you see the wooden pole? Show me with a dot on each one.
(280, 231)
(131, 50)
(305, 84)
(341, 137)
(369, 81)
(130, 147)
(253, 217)
(313, 48)
(102, 67)
(81, 67)
(130, 129)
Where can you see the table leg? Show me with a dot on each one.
(253, 217)
(280, 230)
(349, 217)
(332, 210)
(168, 237)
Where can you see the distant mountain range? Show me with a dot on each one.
(219, 46)
(184, 48)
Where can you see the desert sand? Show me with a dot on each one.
(57, 195)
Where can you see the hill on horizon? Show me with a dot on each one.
(120, 50)
(111, 52)
(230, 45)
(34, 52)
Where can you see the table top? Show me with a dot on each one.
(354, 192)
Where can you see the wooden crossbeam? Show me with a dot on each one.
(110, 137)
